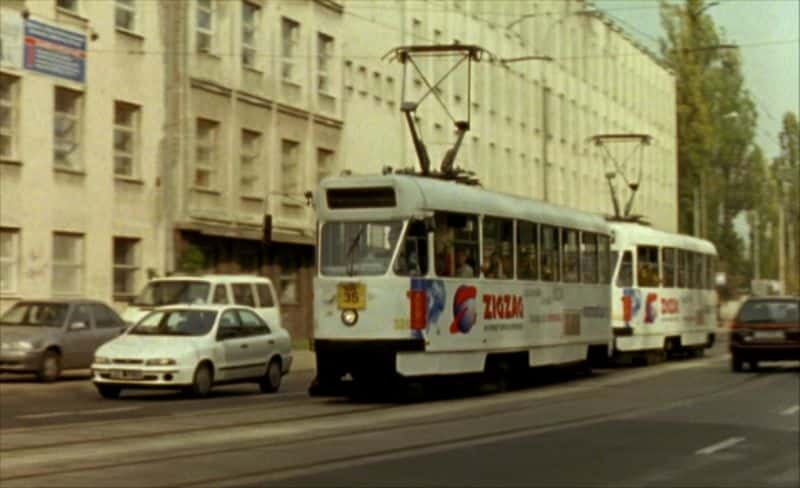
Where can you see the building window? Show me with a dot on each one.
(251, 20)
(126, 139)
(290, 152)
(290, 39)
(9, 108)
(71, 5)
(9, 260)
(205, 26)
(125, 15)
(126, 267)
(67, 263)
(289, 280)
(205, 171)
(324, 163)
(250, 156)
(67, 128)
(325, 56)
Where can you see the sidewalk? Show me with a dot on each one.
(303, 360)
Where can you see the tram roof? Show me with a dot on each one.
(417, 193)
(637, 234)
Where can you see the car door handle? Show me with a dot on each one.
(244, 346)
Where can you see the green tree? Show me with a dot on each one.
(786, 171)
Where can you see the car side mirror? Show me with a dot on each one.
(78, 326)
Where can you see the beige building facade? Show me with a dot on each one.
(195, 122)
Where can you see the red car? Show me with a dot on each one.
(765, 329)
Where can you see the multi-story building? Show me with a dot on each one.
(191, 121)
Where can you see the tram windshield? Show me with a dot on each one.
(358, 248)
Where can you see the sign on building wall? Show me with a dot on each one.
(55, 51)
(11, 25)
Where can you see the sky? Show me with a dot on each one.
(768, 35)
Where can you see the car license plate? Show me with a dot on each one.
(768, 334)
(351, 295)
(122, 374)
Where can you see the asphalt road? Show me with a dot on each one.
(687, 422)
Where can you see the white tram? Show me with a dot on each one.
(663, 291)
(421, 277)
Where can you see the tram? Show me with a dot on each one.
(419, 277)
(664, 299)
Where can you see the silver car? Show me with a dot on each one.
(46, 336)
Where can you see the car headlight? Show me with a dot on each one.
(159, 362)
(21, 345)
(101, 360)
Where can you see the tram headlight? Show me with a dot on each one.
(349, 317)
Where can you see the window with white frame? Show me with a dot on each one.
(204, 27)
(68, 262)
(9, 260)
(324, 63)
(126, 139)
(324, 163)
(249, 170)
(71, 5)
(67, 127)
(205, 141)
(126, 267)
(290, 166)
(9, 108)
(125, 15)
(251, 22)
(289, 279)
(290, 41)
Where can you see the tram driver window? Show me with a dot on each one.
(456, 244)
(647, 266)
(625, 274)
(605, 262)
(498, 261)
(412, 259)
(551, 262)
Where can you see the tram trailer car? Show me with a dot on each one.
(664, 300)
(420, 277)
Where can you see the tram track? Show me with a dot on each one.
(396, 420)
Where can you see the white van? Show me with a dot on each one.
(253, 291)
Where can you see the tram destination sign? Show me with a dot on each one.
(55, 51)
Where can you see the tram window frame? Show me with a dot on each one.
(451, 236)
(668, 278)
(589, 258)
(571, 255)
(626, 266)
(414, 238)
(499, 233)
(604, 271)
(647, 269)
(550, 251)
(527, 239)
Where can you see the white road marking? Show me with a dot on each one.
(83, 412)
(720, 445)
(791, 410)
(108, 410)
(44, 415)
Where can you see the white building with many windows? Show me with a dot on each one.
(141, 137)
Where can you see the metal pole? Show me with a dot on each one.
(781, 246)
(545, 137)
(756, 253)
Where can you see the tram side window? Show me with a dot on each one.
(498, 260)
(668, 267)
(456, 244)
(604, 262)
(412, 259)
(588, 257)
(550, 253)
(527, 251)
(647, 266)
(625, 275)
(569, 241)
(710, 265)
(683, 269)
(699, 271)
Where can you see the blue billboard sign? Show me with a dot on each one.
(55, 51)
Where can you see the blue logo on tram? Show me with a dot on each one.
(435, 294)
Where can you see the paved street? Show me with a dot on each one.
(683, 422)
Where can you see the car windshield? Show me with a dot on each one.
(176, 322)
(173, 292)
(766, 311)
(358, 248)
(36, 314)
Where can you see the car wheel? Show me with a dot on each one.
(203, 380)
(271, 381)
(736, 364)
(50, 368)
(109, 391)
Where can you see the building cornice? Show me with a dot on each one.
(333, 5)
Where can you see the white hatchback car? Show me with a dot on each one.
(193, 347)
